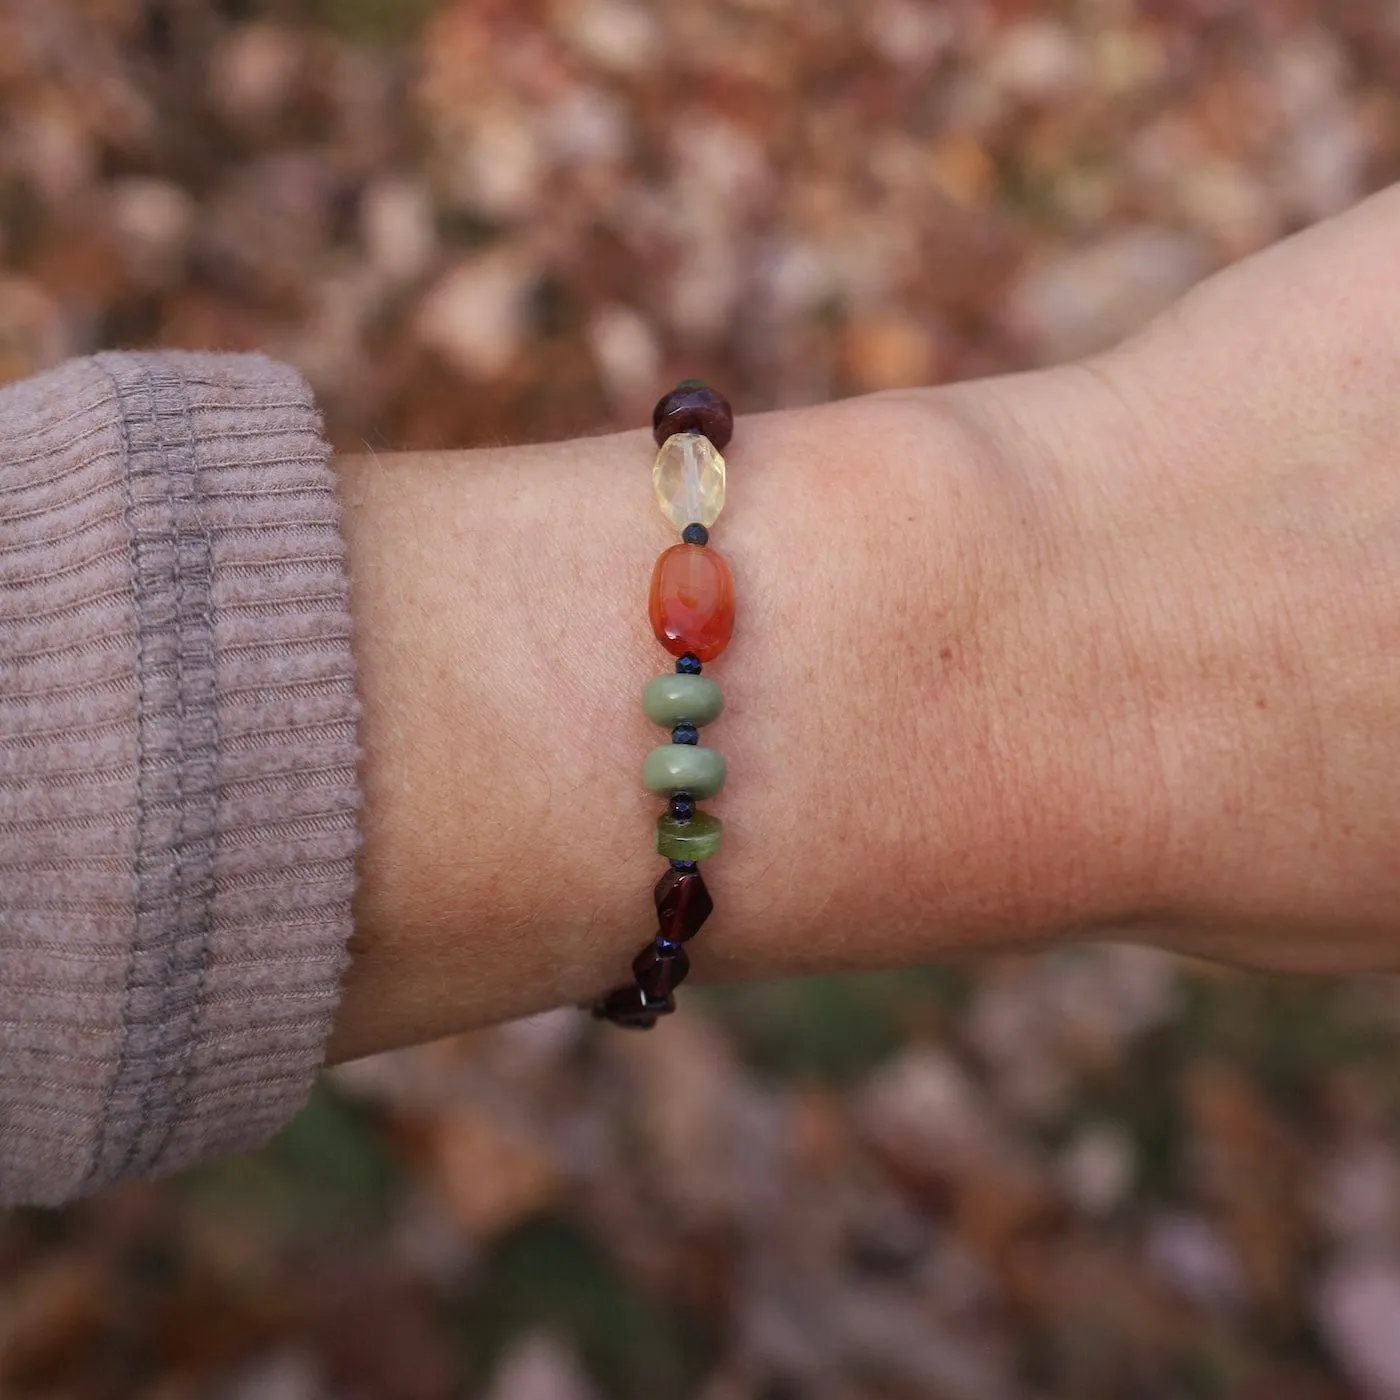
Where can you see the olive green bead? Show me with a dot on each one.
(678, 699)
(688, 768)
(693, 840)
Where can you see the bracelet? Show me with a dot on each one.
(692, 613)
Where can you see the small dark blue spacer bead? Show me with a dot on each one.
(685, 865)
(682, 806)
(685, 734)
(689, 665)
(695, 534)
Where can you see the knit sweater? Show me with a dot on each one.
(177, 765)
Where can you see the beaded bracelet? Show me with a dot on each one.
(692, 613)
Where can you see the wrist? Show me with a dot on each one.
(1059, 705)
(914, 754)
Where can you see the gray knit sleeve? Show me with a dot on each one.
(178, 793)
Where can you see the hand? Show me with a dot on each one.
(1235, 502)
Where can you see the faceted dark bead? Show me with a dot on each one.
(685, 734)
(695, 534)
(660, 969)
(633, 1009)
(692, 407)
(682, 806)
(689, 664)
(682, 904)
(685, 865)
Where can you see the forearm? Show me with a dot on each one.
(912, 772)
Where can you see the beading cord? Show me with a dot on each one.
(691, 605)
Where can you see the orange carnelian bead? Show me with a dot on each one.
(692, 601)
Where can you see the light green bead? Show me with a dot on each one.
(693, 840)
(676, 699)
(688, 768)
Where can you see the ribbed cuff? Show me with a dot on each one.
(206, 655)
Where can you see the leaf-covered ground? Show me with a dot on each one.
(1097, 1175)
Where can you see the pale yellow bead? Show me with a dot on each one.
(689, 480)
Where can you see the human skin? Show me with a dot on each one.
(1111, 650)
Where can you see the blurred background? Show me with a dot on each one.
(1104, 1173)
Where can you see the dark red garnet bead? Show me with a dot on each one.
(633, 1009)
(660, 969)
(682, 904)
(693, 407)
